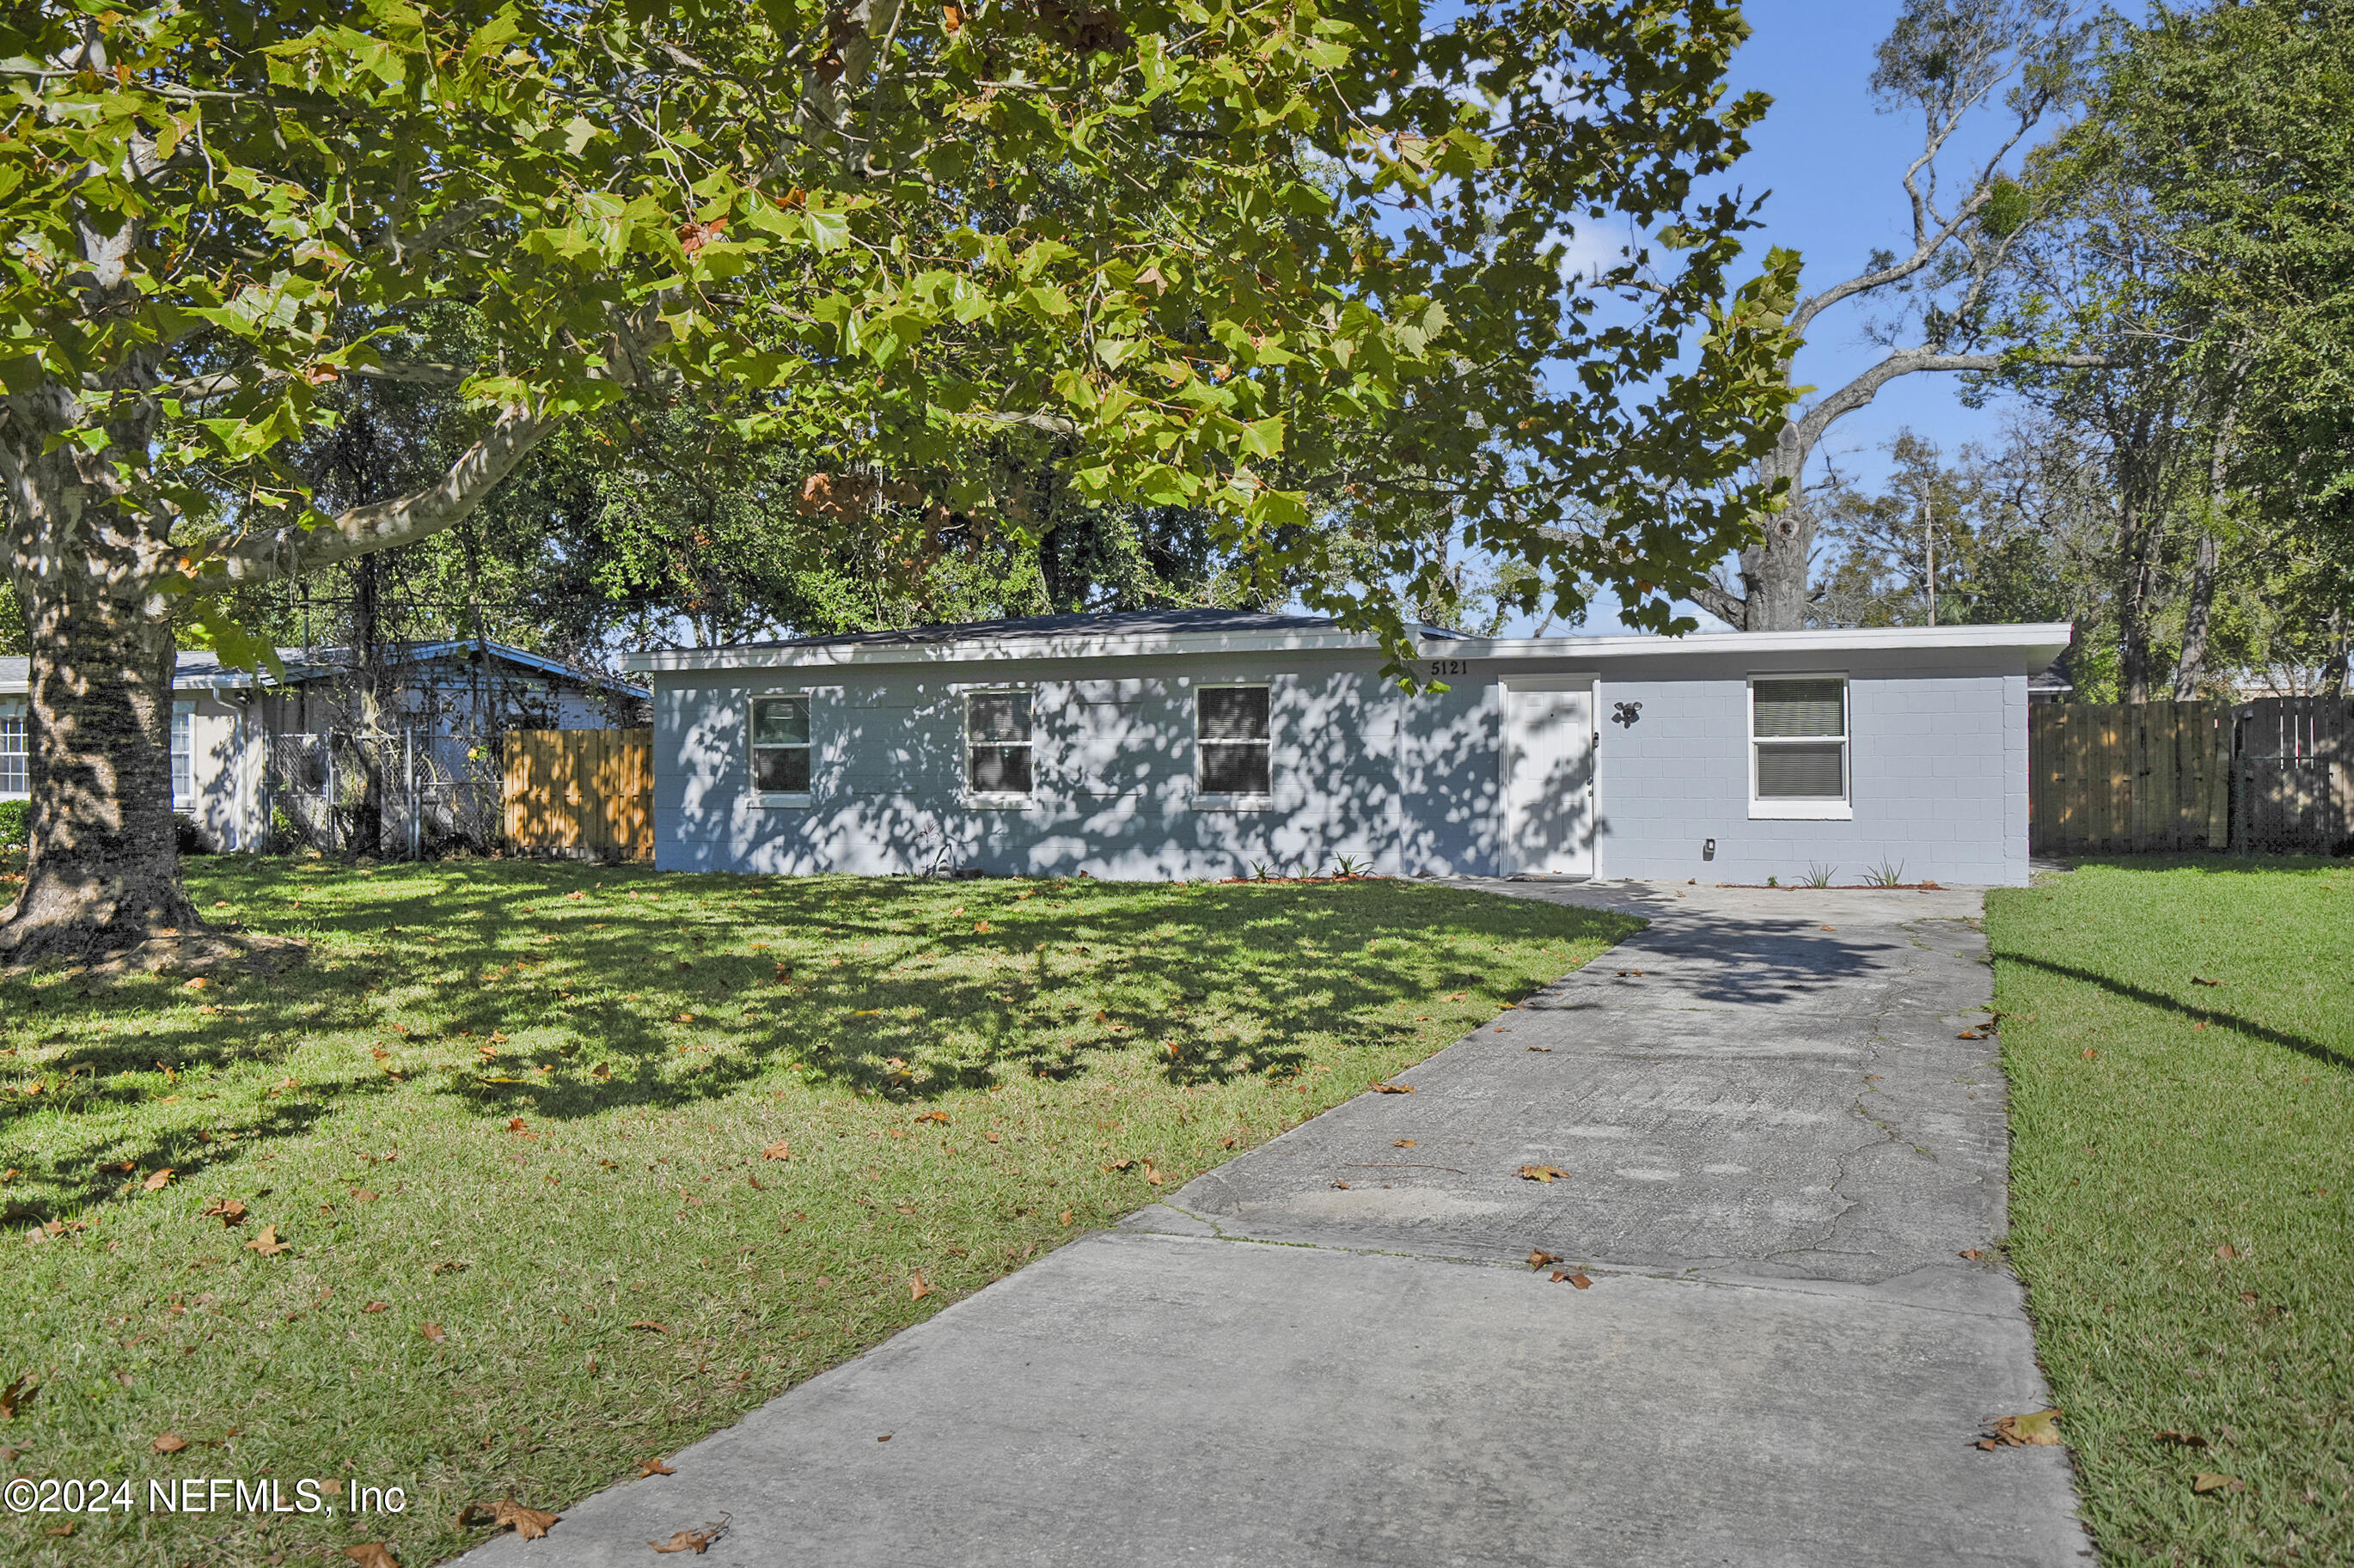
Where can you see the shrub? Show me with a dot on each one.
(15, 823)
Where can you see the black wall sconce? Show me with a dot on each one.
(1625, 714)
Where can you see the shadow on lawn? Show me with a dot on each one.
(634, 950)
(2297, 1042)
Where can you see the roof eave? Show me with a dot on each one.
(2037, 645)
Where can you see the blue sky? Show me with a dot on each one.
(1831, 166)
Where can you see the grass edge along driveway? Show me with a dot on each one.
(2178, 1037)
(530, 1172)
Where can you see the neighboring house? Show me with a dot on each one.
(1209, 743)
(246, 748)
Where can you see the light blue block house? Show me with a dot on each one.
(1206, 743)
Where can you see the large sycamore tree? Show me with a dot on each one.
(1299, 265)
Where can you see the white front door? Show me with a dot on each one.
(1549, 778)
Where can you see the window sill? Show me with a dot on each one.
(1233, 802)
(1802, 811)
(797, 799)
(1000, 802)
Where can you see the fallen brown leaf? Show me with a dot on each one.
(2182, 1439)
(601, 1071)
(1342, 1185)
(696, 1541)
(648, 1324)
(1067, 1216)
(939, 1116)
(653, 1467)
(1973, 1254)
(530, 1523)
(514, 1124)
(1545, 1174)
(372, 1555)
(1538, 1257)
(2035, 1429)
(1401, 1143)
(780, 1149)
(2227, 1252)
(1120, 1165)
(916, 1288)
(1546, 1049)
(169, 1443)
(373, 1306)
(2197, 980)
(2090, 1054)
(1393, 1089)
(267, 1243)
(1574, 1278)
(16, 1393)
(227, 1211)
(434, 1331)
(159, 1180)
(1151, 1176)
(2207, 1481)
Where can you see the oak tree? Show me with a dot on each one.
(1299, 266)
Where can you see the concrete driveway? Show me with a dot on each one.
(1773, 1150)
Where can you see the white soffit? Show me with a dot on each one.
(2035, 645)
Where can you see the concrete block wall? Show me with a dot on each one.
(1408, 783)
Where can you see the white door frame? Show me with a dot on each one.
(1505, 686)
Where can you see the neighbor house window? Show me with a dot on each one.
(11, 751)
(997, 743)
(1798, 743)
(183, 718)
(1230, 734)
(780, 745)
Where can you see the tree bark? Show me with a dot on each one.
(103, 874)
(2190, 670)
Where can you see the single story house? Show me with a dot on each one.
(245, 745)
(1217, 743)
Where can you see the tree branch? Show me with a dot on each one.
(1719, 603)
(404, 520)
(1806, 431)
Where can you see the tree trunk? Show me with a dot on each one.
(104, 875)
(2190, 670)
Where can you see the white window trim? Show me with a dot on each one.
(993, 799)
(182, 708)
(1225, 800)
(19, 708)
(779, 798)
(1788, 811)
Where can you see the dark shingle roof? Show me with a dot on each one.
(1128, 623)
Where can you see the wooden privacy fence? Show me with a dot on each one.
(2275, 774)
(587, 792)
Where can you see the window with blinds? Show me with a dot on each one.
(182, 783)
(781, 745)
(997, 744)
(14, 779)
(1234, 742)
(1798, 740)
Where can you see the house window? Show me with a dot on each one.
(997, 743)
(1230, 734)
(1799, 746)
(13, 777)
(183, 718)
(780, 745)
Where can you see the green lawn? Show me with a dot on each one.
(509, 1121)
(2181, 1157)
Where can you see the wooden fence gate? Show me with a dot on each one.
(2274, 775)
(587, 792)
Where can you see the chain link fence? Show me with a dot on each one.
(395, 796)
